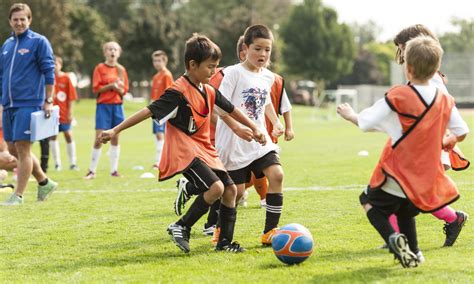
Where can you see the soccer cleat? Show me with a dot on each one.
(180, 236)
(13, 200)
(227, 246)
(453, 229)
(398, 244)
(267, 237)
(115, 174)
(243, 199)
(208, 230)
(58, 168)
(155, 166)
(263, 203)
(90, 175)
(182, 197)
(74, 168)
(215, 236)
(44, 191)
(420, 257)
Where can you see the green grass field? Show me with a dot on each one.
(114, 229)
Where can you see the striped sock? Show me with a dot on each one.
(274, 208)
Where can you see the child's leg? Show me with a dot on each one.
(408, 228)
(114, 154)
(228, 213)
(261, 186)
(160, 141)
(394, 222)
(379, 221)
(213, 215)
(274, 197)
(70, 148)
(446, 213)
(54, 145)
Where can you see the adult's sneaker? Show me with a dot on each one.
(398, 244)
(44, 191)
(208, 230)
(182, 197)
(267, 237)
(180, 236)
(13, 200)
(227, 246)
(453, 229)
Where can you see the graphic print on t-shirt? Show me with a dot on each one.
(253, 101)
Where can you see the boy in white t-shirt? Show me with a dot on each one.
(409, 176)
(248, 85)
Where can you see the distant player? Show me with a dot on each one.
(409, 176)
(110, 84)
(162, 80)
(64, 96)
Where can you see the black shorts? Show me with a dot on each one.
(388, 204)
(202, 176)
(243, 175)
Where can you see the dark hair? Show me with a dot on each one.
(20, 7)
(257, 31)
(408, 33)
(200, 48)
(239, 47)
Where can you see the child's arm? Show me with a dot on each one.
(240, 130)
(346, 112)
(450, 140)
(242, 118)
(127, 123)
(271, 115)
(289, 134)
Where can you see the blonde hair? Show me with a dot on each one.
(111, 42)
(159, 53)
(424, 55)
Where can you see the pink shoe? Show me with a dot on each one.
(115, 174)
(90, 175)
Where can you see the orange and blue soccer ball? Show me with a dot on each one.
(292, 244)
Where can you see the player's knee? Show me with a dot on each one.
(217, 189)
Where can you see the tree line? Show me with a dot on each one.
(310, 43)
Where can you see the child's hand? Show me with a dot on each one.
(244, 133)
(345, 111)
(259, 137)
(106, 135)
(449, 141)
(278, 129)
(289, 134)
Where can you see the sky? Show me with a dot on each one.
(393, 16)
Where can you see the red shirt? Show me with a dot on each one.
(64, 94)
(104, 75)
(161, 81)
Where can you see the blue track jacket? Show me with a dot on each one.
(26, 66)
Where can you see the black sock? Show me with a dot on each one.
(408, 228)
(213, 214)
(195, 212)
(228, 216)
(274, 208)
(380, 223)
(193, 190)
(44, 182)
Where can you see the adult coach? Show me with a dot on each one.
(27, 79)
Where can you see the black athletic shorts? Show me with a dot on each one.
(389, 204)
(243, 175)
(202, 176)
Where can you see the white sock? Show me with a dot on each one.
(71, 152)
(95, 159)
(54, 146)
(159, 149)
(114, 157)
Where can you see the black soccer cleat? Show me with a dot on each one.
(182, 197)
(453, 229)
(227, 246)
(180, 236)
(398, 245)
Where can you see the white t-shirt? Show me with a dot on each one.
(380, 117)
(250, 92)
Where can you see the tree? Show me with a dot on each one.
(462, 41)
(316, 47)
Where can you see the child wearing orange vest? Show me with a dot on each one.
(187, 106)
(161, 81)
(409, 177)
(64, 95)
(455, 220)
(110, 84)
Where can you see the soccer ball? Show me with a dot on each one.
(292, 244)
